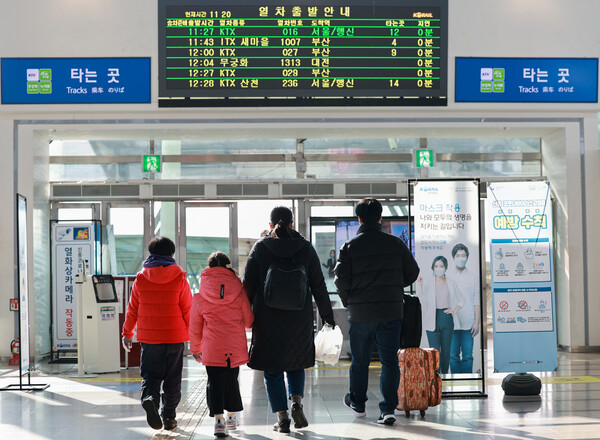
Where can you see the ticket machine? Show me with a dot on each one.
(98, 324)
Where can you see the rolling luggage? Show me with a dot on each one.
(412, 327)
(420, 384)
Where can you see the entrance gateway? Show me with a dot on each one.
(156, 195)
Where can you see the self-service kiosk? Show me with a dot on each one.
(98, 324)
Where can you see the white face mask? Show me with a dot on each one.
(439, 271)
(460, 262)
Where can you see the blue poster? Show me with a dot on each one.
(526, 80)
(75, 80)
(520, 229)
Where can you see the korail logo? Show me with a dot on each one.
(429, 189)
(33, 74)
(487, 74)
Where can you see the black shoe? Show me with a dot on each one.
(152, 416)
(282, 426)
(386, 419)
(170, 423)
(357, 410)
(298, 416)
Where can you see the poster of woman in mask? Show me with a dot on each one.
(441, 301)
(446, 219)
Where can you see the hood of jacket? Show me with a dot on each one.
(161, 274)
(219, 285)
(285, 247)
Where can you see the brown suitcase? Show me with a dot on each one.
(434, 379)
(420, 384)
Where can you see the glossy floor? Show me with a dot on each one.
(107, 407)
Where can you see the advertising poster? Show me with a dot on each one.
(23, 283)
(446, 233)
(324, 244)
(519, 219)
(72, 244)
(120, 288)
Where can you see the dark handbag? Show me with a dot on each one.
(412, 326)
(286, 285)
(521, 384)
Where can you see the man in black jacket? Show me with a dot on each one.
(372, 271)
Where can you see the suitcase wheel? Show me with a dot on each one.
(422, 412)
(407, 414)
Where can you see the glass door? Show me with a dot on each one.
(205, 228)
(127, 235)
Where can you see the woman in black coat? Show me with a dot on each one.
(283, 340)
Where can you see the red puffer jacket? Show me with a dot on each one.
(160, 305)
(220, 314)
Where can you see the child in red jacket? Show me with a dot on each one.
(160, 307)
(220, 314)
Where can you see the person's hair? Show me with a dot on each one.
(218, 258)
(281, 221)
(369, 210)
(161, 246)
(440, 258)
(460, 247)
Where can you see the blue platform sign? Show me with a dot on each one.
(75, 80)
(526, 80)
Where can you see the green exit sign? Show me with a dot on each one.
(151, 163)
(424, 158)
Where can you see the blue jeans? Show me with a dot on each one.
(275, 385)
(462, 343)
(441, 338)
(363, 335)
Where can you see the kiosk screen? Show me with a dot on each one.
(104, 287)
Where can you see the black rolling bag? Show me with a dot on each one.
(411, 323)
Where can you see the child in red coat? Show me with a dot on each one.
(220, 314)
(160, 307)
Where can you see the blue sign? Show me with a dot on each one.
(526, 80)
(519, 218)
(75, 80)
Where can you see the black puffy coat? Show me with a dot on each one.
(372, 270)
(283, 340)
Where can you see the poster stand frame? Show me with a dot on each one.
(471, 394)
(20, 199)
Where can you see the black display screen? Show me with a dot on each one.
(381, 52)
(104, 287)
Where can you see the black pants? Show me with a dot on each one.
(223, 390)
(162, 364)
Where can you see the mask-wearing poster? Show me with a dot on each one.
(446, 232)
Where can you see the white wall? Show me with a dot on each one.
(592, 187)
(7, 239)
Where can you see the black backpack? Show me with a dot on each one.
(286, 285)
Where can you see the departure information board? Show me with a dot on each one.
(275, 53)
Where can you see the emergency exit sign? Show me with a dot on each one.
(424, 158)
(151, 163)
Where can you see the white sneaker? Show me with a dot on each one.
(231, 423)
(220, 430)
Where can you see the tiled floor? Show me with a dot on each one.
(107, 408)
